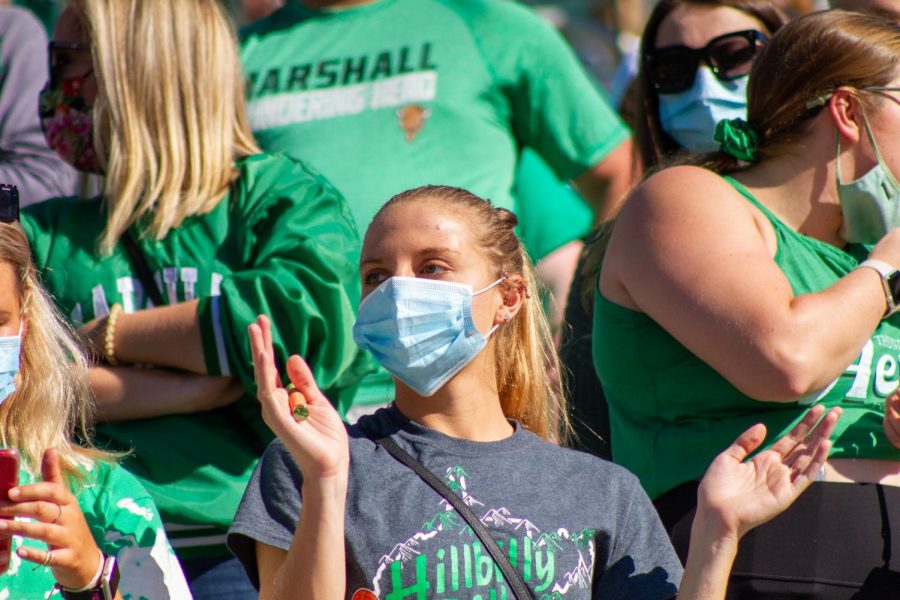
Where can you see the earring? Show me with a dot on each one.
(507, 317)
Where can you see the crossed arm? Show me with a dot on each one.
(167, 337)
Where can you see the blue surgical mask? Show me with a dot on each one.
(10, 351)
(690, 117)
(420, 330)
(871, 204)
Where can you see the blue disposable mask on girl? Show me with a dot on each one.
(871, 204)
(10, 352)
(420, 330)
(690, 117)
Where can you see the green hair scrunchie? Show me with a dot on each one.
(737, 138)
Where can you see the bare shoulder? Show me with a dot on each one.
(683, 190)
(685, 211)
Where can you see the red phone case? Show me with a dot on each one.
(9, 478)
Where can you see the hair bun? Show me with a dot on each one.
(507, 217)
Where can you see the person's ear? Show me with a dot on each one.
(846, 110)
(514, 292)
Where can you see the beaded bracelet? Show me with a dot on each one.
(109, 334)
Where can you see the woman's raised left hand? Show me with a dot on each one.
(737, 495)
(57, 521)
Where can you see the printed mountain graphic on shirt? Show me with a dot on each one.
(446, 560)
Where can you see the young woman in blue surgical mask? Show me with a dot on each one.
(449, 308)
(764, 280)
(694, 61)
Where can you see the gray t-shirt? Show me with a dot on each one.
(573, 525)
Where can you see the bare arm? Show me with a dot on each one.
(557, 270)
(606, 185)
(126, 393)
(168, 336)
(737, 495)
(315, 565)
(693, 255)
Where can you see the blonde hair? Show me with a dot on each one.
(52, 404)
(169, 114)
(524, 352)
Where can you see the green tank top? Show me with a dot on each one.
(671, 413)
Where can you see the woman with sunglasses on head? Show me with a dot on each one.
(450, 309)
(760, 282)
(196, 233)
(83, 527)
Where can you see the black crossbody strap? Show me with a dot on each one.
(230, 413)
(513, 579)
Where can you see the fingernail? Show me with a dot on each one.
(14, 493)
(3, 524)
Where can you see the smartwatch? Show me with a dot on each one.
(104, 588)
(890, 281)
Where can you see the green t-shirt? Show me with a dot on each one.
(283, 244)
(395, 94)
(671, 413)
(124, 523)
(551, 213)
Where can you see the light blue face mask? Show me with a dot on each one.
(10, 351)
(690, 117)
(871, 204)
(420, 330)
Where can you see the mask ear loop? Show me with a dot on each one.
(837, 158)
(503, 276)
(876, 150)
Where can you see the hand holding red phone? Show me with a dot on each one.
(57, 521)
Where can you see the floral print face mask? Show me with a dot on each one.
(68, 124)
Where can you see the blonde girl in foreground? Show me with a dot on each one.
(90, 524)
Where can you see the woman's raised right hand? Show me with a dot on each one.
(318, 443)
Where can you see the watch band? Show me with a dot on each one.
(104, 589)
(888, 275)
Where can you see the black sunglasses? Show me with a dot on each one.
(9, 203)
(672, 69)
(56, 57)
